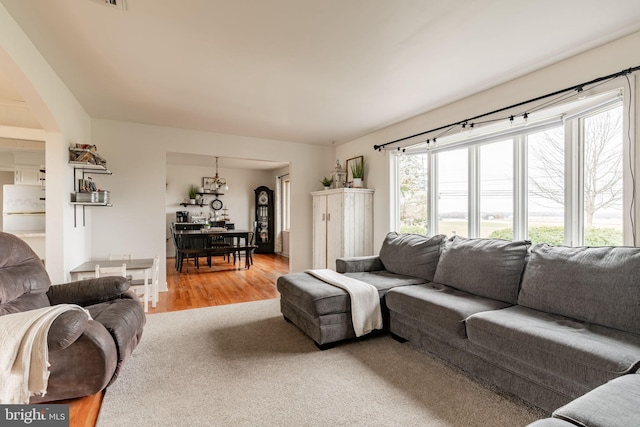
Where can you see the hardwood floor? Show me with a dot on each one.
(221, 284)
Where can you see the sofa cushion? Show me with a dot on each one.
(21, 270)
(598, 285)
(317, 298)
(614, 404)
(487, 267)
(411, 254)
(439, 306)
(25, 302)
(358, 264)
(578, 351)
(311, 295)
(384, 280)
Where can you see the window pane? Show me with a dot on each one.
(546, 174)
(496, 190)
(453, 193)
(414, 201)
(603, 178)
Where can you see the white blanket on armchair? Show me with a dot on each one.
(366, 314)
(24, 354)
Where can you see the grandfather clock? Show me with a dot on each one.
(265, 236)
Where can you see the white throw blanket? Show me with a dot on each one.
(366, 314)
(24, 355)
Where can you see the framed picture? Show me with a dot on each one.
(350, 162)
(207, 182)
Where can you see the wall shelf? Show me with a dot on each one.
(82, 169)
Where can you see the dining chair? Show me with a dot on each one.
(219, 241)
(150, 288)
(120, 257)
(111, 271)
(172, 228)
(85, 275)
(246, 250)
(190, 246)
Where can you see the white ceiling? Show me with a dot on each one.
(223, 162)
(311, 71)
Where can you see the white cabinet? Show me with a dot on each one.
(28, 175)
(342, 225)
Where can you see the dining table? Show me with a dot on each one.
(240, 242)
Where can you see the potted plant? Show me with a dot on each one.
(357, 172)
(326, 182)
(193, 192)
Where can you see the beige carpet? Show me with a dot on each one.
(243, 365)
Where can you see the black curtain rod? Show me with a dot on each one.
(281, 176)
(577, 88)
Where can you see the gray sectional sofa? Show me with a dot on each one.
(547, 324)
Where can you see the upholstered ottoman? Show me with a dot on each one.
(323, 311)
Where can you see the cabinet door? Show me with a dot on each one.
(335, 229)
(27, 175)
(319, 232)
(358, 220)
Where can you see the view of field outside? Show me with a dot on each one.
(496, 187)
(453, 192)
(602, 183)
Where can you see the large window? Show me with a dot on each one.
(453, 193)
(496, 188)
(602, 177)
(558, 181)
(414, 196)
(546, 186)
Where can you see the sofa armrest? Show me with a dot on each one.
(359, 264)
(83, 368)
(66, 329)
(89, 291)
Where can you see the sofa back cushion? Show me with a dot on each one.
(594, 284)
(490, 268)
(411, 254)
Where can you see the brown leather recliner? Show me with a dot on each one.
(86, 355)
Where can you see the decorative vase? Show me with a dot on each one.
(357, 182)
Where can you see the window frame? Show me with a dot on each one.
(286, 204)
(608, 96)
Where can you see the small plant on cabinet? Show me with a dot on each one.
(326, 182)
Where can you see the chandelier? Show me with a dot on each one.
(218, 183)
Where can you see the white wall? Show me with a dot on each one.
(239, 199)
(64, 122)
(608, 59)
(136, 154)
